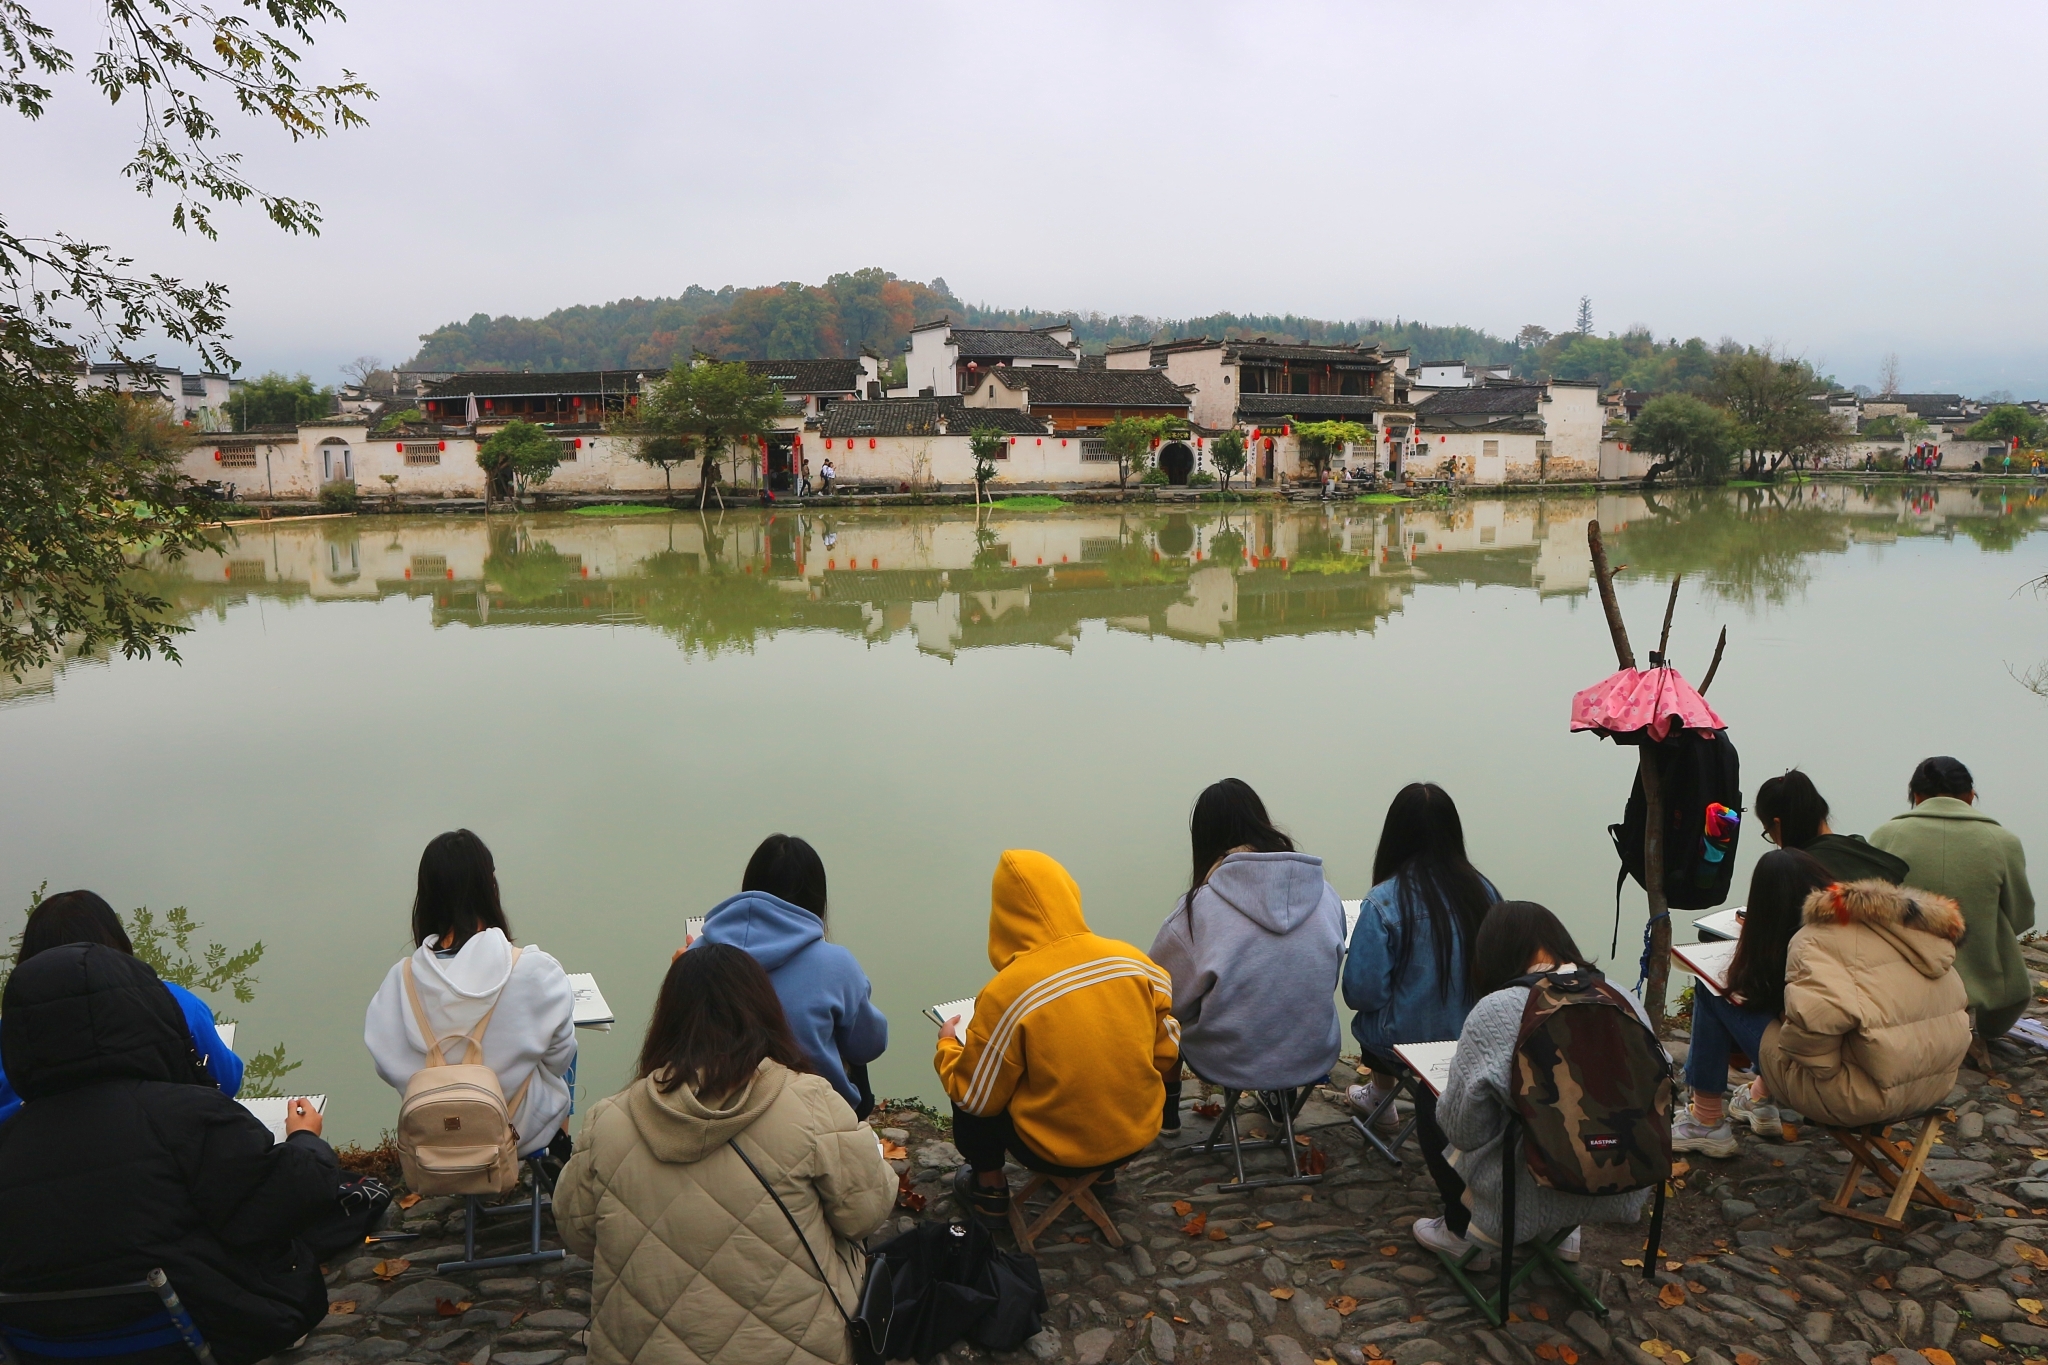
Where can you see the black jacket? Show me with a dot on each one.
(125, 1158)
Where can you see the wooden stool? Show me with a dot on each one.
(1074, 1190)
(1869, 1149)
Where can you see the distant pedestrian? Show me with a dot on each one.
(826, 474)
(803, 487)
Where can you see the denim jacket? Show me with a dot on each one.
(1411, 1009)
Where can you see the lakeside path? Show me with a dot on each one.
(1751, 1271)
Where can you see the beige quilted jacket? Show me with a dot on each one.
(694, 1261)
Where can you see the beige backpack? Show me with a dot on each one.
(455, 1133)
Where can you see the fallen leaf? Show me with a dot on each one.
(2029, 1305)
(1681, 1167)
(1671, 1296)
(1417, 1317)
(1194, 1226)
(892, 1152)
(1219, 1234)
(1315, 1163)
(907, 1196)
(391, 1269)
(1301, 1141)
(1745, 1358)
(1776, 1162)
(1337, 1265)
(1344, 1304)
(1261, 1227)
(1568, 1355)
(1786, 1252)
(1695, 1287)
(1674, 1266)
(1635, 1261)
(1281, 1292)
(1209, 1110)
(516, 1317)
(1373, 1353)
(2032, 1255)
(406, 1200)
(1083, 1238)
(1390, 1251)
(1790, 1132)
(1936, 1356)
(1545, 1351)
(1181, 1320)
(1656, 1346)
(1993, 1342)
(1539, 1312)
(449, 1309)
(345, 1306)
(1183, 1207)
(1319, 1359)
(1886, 1359)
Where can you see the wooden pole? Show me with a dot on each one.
(1715, 666)
(1659, 974)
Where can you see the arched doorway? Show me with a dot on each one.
(1178, 462)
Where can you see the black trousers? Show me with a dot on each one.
(859, 1076)
(1428, 1136)
(983, 1142)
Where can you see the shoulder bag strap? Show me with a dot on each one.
(734, 1143)
(435, 1057)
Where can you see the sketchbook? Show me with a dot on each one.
(1707, 961)
(592, 1011)
(271, 1111)
(693, 929)
(1721, 924)
(1431, 1061)
(227, 1035)
(1351, 912)
(939, 1014)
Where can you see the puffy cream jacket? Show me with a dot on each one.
(694, 1261)
(1876, 1019)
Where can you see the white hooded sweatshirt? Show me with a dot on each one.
(532, 1034)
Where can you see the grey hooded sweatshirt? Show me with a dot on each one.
(1254, 961)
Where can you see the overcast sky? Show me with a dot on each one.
(1843, 180)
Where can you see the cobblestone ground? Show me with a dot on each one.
(1750, 1270)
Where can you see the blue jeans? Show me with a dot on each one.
(1719, 1028)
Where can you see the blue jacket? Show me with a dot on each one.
(1412, 1009)
(221, 1063)
(823, 991)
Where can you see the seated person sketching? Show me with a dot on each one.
(779, 918)
(1794, 815)
(82, 917)
(1063, 1064)
(1876, 1020)
(1253, 949)
(463, 966)
(1477, 1110)
(125, 1157)
(1756, 997)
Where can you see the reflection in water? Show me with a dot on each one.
(957, 581)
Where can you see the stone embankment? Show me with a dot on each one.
(1750, 1272)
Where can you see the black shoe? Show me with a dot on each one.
(989, 1204)
(1104, 1188)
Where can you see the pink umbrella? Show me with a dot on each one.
(1638, 700)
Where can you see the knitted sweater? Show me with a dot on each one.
(1474, 1112)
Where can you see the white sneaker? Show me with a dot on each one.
(1365, 1098)
(1688, 1134)
(1568, 1249)
(1432, 1233)
(1761, 1116)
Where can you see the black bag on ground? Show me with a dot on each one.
(1701, 779)
(941, 1282)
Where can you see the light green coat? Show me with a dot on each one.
(1960, 852)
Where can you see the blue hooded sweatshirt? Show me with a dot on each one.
(222, 1065)
(822, 988)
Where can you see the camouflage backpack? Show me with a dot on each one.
(1592, 1086)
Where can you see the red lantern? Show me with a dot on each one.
(216, 454)
(444, 445)
(1013, 440)
(578, 401)
(578, 446)
(401, 447)
(1287, 430)
(1039, 442)
(489, 404)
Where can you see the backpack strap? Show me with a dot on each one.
(830, 1293)
(474, 1055)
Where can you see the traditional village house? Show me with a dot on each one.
(942, 359)
(1263, 387)
(1081, 402)
(200, 401)
(890, 443)
(1506, 430)
(1457, 374)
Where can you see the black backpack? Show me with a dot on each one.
(940, 1282)
(1702, 783)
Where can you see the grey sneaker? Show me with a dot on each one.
(1363, 1099)
(1688, 1134)
(1761, 1115)
(1432, 1233)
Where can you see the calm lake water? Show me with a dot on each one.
(623, 707)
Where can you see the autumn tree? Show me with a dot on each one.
(986, 444)
(1780, 405)
(1321, 441)
(521, 452)
(714, 406)
(1692, 438)
(1129, 441)
(1226, 452)
(2009, 422)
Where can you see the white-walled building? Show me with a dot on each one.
(943, 360)
(196, 400)
(1504, 431)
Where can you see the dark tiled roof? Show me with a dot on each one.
(1341, 355)
(1148, 387)
(1483, 400)
(1009, 421)
(989, 344)
(920, 417)
(493, 384)
(810, 376)
(1923, 404)
(1264, 407)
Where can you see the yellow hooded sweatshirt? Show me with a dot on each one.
(1075, 1034)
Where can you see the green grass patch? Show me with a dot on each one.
(618, 509)
(1029, 502)
(1382, 499)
